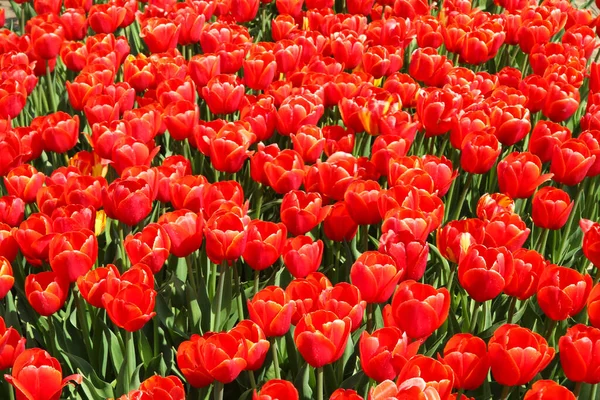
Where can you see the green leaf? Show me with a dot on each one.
(92, 386)
(302, 382)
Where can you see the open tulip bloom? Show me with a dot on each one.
(300, 199)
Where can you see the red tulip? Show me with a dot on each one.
(338, 225)
(151, 247)
(309, 142)
(93, 284)
(344, 300)
(384, 353)
(223, 94)
(7, 278)
(479, 153)
(184, 228)
(545, 136)
(272, 310)
(361, 201)
(506, 229)
(128, 200)
(37, 375)
(548, 390)
(46, 292)
(519, 175)
(285, 172)
(529, 266)
(579, 349)
(160, 34)
(434, 373)
(419, 309)
(276, 389)
(24, 182)
(302, 255)
(131, 306)
(11, 345)
(484, 271)
(228, 150)
(73, 254)
(517, 355)
(467, 356)
(455, 238)
(550, 208)
(33, 237)
(223, 356)
(571, 162)
(169, 388)
(345, 394)
(264, 245)
(321, 337)
(562, 292)
(191, 363)
(226, 235)
(256, 343)
(376, 276)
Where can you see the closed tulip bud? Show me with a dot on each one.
(191, 363)
(550, 208)
(226, 235)
(384, 353)
(11, 345)
(301, 212)
(256, 343)
(7, 280)
(46, 292)
(184, 228)
(93, 284)
(229, 148)
(272, 310)
(376, 276)
(33, 237)
(181, 118)
(8, 243)
(302, 255)
(529, 266)
(24, 182)
(259, 70)
(517, 354)
(72, 254)
(419, 309)
(484, 271)
(309, 143)
(562, 292)
(187, 192)
(38, 375)
(151, 247)
(519, 175)
(60, 132)
(479, 153)
(571, 162)
(434, 373)
(321, 337)
(344, 300)
(46, 39)
(264, 245)
(579, 349)
(467, 356)
(562, 101)
(548, 390)
(338, 225)
(276, 389)
(160, 34)
(131, 306)
(297, 111)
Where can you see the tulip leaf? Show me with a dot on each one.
(355, 381)
(92, 386)
(302, 382)
(144, 348)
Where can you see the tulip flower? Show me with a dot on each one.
(11, 345)
(338, 225)
(345, 394)
(467, 356)
(571, 162)
(434, 373)
(578, 350)
(550, 208)
(455, 238)
(305, 294)
(302, 255)
(93, 284)
(191, 363)
(484, 271)
(344, 300)
(272, 310)
(46, 292)
(517, 355)
(264, 245)
(223, 356)
(519, 175)
(226, 235)
(7, 279)
(301, 211)
(256, 343)
(376, 276)
(562, 292)
(548, 390)
(151, 247)
(529, 266)
(73, 254)
(321, 337)
(384, 353)
(184, 228)
(276, 389)
(38, 375)
(169, 387)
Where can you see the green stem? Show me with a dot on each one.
(511, 310)
(370, 312)
(594, 392)
(218, 390)
(259, 202)
(364, 236)
(81, 315)
(52, 93)
(577, 389)
(475, 317)
(505, 392)
(256, 281)
(212, 287)
(320, 383)
(129, 359)
(252, 379)
(238, 288)
(567, 231)
(541, 245)
(462, 197)
(217, 326)
(274, 351)
(190, 271)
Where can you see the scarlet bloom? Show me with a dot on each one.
(321, 337)
(11, 345)
(188, 192)
(256, 343)
(376, 276)
(591, 240)
(223, 94)
(579, 349)
(72, 254)
(160, 34)
(419, 309)
(93, 284)
(344, 300)
(414, 388)
(276, 389)
(223, 356)
(562, 292)
(384, 353)
(467, 356)
(37, 375)
(345, 394)
(130, 306)
(184, 228)
(545, 136)
(259, 70)
(548, 390)
(297, 111)
(338, 225)
(285, 172)
(8, 244)
(7, 280)
(519, 174)
(479, 152)
(571, 162)
(128, 200)
(302, 255)
(190, 361)
(455, 238)
(33, 237)
(226, 235)
(484, 271)
(265, 243)
(434, 373)
(361, 201)
(550, 208)
(517, 354)
(60, 132)
(169, 388)
(151, 247)
(229, 148)
(529, 266)
(309, 142)
(46, 292)
(301, 211)
(12, 210)
(24, 182)
(436, 107)
(272, 310)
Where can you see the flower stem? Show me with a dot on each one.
(511, 310)
(217, 326)
(577, 389)
(463, 195)
(275, 357)
(370, 312)
(52, 93)
(218, 390)
(475, 317)
(129, 359)
(256, 281)
(320, 383)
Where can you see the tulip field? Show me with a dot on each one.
(300, 199)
